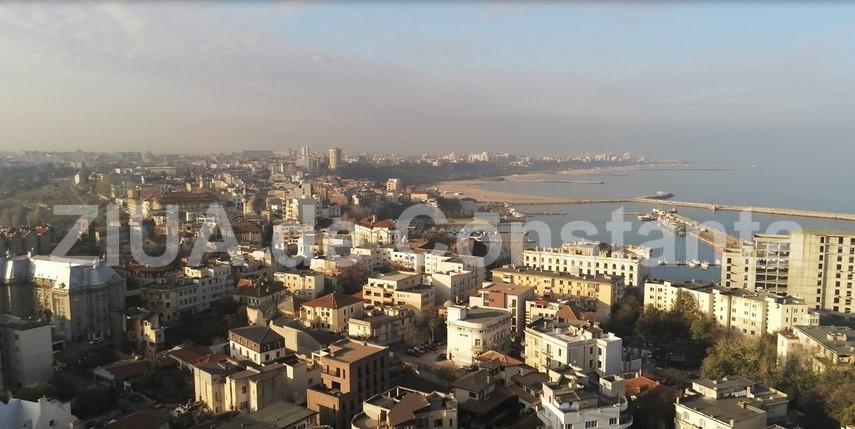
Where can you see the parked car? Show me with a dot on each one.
(412, 352)
(431, 346)
(441, 357)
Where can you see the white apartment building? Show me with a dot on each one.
(258, 344)
(752, 312)
(589, 259)
(569, 403)
(399, 289)
(474, 330)
(331, 312)
(507, 296)
(26, 352)
(732, 402)
(826, 347)
(579, 345)
(402, 407)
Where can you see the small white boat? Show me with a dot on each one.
(705, 265)
(663, 262)
(692, 264)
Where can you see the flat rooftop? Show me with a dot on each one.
(352, 351)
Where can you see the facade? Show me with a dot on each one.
(281, 415)
(589, 259)
(26, 352)
(752, 312)
(258, 293)
(552, 309)
(569, 403)
(195, 290)
(474, 330)
(399, 289)
(732, 402)
(143, 328)
(305, 284)
(509, 297)
(385, 326)
(83, 296)
(402, 407)
(331, 312)
(592, 292)
(335, 158)
(581, 346)
(351, 372)
(816, 265)
(370, 232)
(826, 347)
(259, 344)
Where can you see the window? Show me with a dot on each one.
(243, 389)
(591, 424)
(613, 421)
(437, 423)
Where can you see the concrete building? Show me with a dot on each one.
(506, 296)
(26, 352)
(42, 414)
(258, 293)
(474, 330)
(331, 312)
(259, 344)
(551, 309)
(581, 346)
(402, 407)
(83, 296)
(385, 326)
(351, 372)
(143, 329)
(370, 232)
(399, 289)
(570, 402)
(335, 158)
(281, 415)
(752, 312)
(590, 259)
(305, 284)
(596, 293)
(816, 265)
(823, 347)
(732, 402)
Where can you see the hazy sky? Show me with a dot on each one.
(723, 79)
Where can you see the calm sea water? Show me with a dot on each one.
(742, 185)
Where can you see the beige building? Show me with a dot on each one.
(385, 326)
(402, 407)
(474, 330)
(579, 345)
(82, 296)
(592, 292)
(351, 372)
(399, 289)
(590, 259)
(370, 232)
(510, 297)
(761, 264)
(26, 352)
(194, 290)
(824, 347)
(331, 312)
(258, 293)
(732, 402)
(305, 284)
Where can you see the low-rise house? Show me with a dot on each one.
(732, 402)
(331, 312)
(384, 326)
(402, 407)
(259, 344)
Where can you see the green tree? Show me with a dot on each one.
(32, 392)
(93, 400)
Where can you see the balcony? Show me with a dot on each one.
(625, 421)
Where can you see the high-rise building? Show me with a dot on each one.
(335, 158)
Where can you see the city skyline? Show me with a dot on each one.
(667, 79)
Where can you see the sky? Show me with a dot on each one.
(718, 81)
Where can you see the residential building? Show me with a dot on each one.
(259, 344)
(83, 296)
(453, 286)
(335, 158)
(258, 293)
(580, 345)
(42, 414)
(331, 312)
(351, 372)
(143, 328)
(590, 259)
(762, 263)
(280, 415)
(824, 347)
(752, 312)
(384, 326)
(399, 289)
(596, 293)
(732, 402)
(305, 284)
(474, 330)
(510, 297)
(571, 402)
(370, 232)
(552, 309)
(26, 352)
(402, 407)
(139, 419)
(481, 398)
(195, 290)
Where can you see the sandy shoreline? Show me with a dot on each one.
(475, 188)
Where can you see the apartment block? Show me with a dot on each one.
(824, 347)
(399, 289)
(572, 402)
(402, 407)
(331, 312)
(506, 296)
(580, 345)
(26, 352)
(258, 344)
(592, 292)
(590, 259)
(351, 373)
(732, 402)
(384, 326)
(474, 330)
(305, 284)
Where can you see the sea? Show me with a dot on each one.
(749, 185)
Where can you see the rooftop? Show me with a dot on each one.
(334, 300)
(257, 334)
(352, 351)
(139, 420)
(281, 414)
(838, 339)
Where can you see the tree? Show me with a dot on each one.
(32, 392)
(93, 400)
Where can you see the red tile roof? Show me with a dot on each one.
(126, 370)
(334, 301)
(386, 223)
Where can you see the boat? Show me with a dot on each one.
(646, 217)
(718, 261)
(673, 210)
(663, 262)
(705, 265)
(692, 264)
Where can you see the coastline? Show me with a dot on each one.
(474, 188)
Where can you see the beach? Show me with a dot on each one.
(475, 188)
